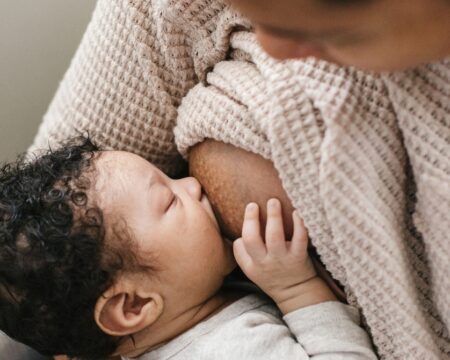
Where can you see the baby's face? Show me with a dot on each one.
(170, 222)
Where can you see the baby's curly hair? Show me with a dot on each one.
(54, 262)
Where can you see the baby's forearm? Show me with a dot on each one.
(310, 292)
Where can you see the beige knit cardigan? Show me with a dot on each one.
(364, 157)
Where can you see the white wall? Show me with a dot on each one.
(37, 41)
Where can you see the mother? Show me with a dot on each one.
(363, 156)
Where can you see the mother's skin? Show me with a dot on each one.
(368, 34)
(233, 177)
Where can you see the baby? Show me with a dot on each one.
(102, 254)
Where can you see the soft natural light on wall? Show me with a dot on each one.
(37, 41)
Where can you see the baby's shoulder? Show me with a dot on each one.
(244, 322)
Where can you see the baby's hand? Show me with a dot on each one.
(282, 269)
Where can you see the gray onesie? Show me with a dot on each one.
(254, 328)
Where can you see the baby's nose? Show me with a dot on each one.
(193, 187)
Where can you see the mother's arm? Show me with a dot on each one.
(136, 61)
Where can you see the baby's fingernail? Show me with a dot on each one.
(273, 203)
(251, 207)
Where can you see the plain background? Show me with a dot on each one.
(37, 40)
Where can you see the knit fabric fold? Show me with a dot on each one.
(363, 157)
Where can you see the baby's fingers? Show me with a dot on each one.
(275, 240)
(299, 241)
(251, 235)
(240, 253)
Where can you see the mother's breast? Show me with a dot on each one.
(233, 177)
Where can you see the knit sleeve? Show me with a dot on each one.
(136, 60)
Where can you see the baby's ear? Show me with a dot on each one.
(126, 309)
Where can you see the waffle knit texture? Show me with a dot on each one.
(364, 158)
